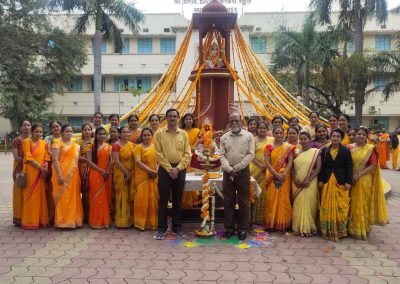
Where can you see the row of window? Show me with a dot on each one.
(382, 43)
(144, 46)
(121, 83)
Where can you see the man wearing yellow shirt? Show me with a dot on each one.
(173, 154)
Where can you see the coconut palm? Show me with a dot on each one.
(303, 52)
(103, 14)
(355, 13)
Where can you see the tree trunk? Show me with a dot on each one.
(97, 70)
(306, 86)
(360, 81)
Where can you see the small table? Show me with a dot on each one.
(194, 183)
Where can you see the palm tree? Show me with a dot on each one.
(102, 13)
(355, 13)
(303, 52)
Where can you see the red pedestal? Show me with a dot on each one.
(216, 93)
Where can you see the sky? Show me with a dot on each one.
(170, 6)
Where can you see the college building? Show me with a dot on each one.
(147, 55)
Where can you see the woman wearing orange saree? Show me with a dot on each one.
(383, 149)
(279, 160)
(34, 209)
(66, 181)
(146, 190)
(368, 204)
(335, 180)
(124, 162)
(18, 154)
(55, 128)
(306, 166)
(257, 170)
(85, 143)
(135, 131)
(190, 198)
(99, 160)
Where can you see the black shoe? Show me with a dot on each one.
(228, 234)
(160, 234)
(179, 234)
(242, 235)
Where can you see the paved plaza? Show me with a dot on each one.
(130, 256)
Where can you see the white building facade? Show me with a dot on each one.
(147, 55)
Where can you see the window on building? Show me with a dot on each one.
(167, 45)
(258, 44)
(126, 47)
(103, 84)
(382, 42)
(381, 121)
(381, 80)
(53, 86)
(75, 85)
(350, 46)
(103, 47)
(145, 45)
(167, 30)
(334, 46)
(122, 84)
(143, 83)
(75, 122)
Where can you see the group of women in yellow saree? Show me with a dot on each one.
(311, 180)
(319, 184)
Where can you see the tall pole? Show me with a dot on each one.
(119, 98)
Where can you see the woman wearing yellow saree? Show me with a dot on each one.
(124, 162)
(66, 181)
(85, 143)
(279, 160)
(190, 198)
(335, 180)
(368, 204)
(314, 120)
(154, 121)
(306, 166)
(99, 160)
(18, 154)
(257, 170)
(34, 209)
(146, 190)
(344, 125)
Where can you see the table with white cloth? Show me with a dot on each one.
(193, 182)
